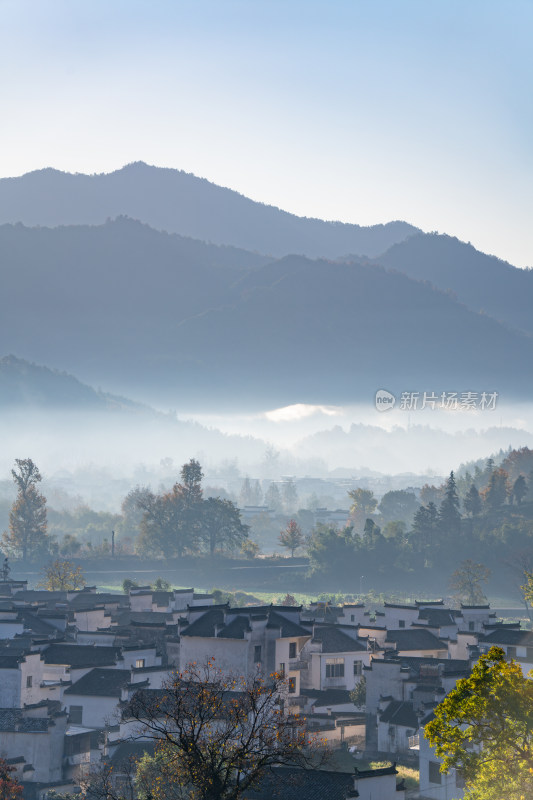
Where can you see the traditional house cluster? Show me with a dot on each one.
(71, 661)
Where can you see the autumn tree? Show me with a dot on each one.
(363, 502)
(466, 582)
(484, 728)
(62, 576)
(27, 536)
(10, 788)
(292, 537)
(216, 737)
(519, 490)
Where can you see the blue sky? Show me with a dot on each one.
(359, 111)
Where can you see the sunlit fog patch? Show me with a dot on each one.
(300, 411)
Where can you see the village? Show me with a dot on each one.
(366, 680)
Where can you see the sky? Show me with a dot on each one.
(363, 111)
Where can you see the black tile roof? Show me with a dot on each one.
(439, 617)
(289, 628)
(81, 655)
(508, 636)
(13, 719)
(401, 713)
(205, 625)
(335, 641)
(101, 683)
(414, 639)
(327, 697)
(286, 783)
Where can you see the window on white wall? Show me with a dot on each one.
(334, 667)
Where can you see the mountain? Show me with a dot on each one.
(320, 332)
(97, 300)
(178, 202)
(171, 320)
(24, 385)
(484, 283)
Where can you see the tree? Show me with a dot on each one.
(519, 489)
(466, 582)
(484, 728)
(62, 576)
(398, 504)
(472, 501)
(273, 497)
(127, 584)
(292, 537)
(160, 585)
(172, 521)
(358, 693)
(363, 502)
(250, 549)
(290, 496)
(425, 524)
(10, 788)
(497, 490)
(27, 534)
(222, 526)
(216, 737)
(449, 515)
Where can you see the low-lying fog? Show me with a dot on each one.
(98, 457)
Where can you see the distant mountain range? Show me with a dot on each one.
(176, 321)
(177, 202)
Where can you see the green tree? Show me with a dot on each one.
(222, 526)
(127, 584)
(250, 549)
(62, 575)
(161, 585)
(27, 535)
(218, 736)
(519, 489)
(398, 504)
(292, 537)
(358, 693)
(472, 502)
(466, 582)
(484, 728)
(449, 515)
(289, 496)
(273, 497)
(332, 550)
(424, 530)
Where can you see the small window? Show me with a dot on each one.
(435, 775)
(334, 667)
(292, 685)
(357, 667)
(352, 618)
(29, 681)
(471, 626)
(257, 654)
(139, 664)
(75, 714)
(511, 652)
(292, 650)
(401, 623)
(282, 670)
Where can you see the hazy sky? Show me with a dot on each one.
(363, 111)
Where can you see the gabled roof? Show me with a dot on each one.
(81, 655)
(401, 713)
(508, 636)
(327, 697)
(205, 625)
(101, 683)
(333, 640)
(414, 639)
(289, 628)
(287, 783)
(439, 617)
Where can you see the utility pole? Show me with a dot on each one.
(112, 544)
